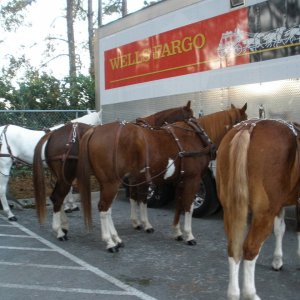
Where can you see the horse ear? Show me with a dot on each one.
(232, 106)
(188, 105)
(244, 107)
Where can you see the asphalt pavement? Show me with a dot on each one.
(35, 265)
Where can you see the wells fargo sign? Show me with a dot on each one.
(227, 40)
(181, 51)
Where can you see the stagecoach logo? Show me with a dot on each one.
(238, 42)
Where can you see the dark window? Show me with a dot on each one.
(236, 3)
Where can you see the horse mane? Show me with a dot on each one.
(170, 115)
(218, 122)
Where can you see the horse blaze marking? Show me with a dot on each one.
(170, 168)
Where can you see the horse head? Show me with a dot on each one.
(174, 115)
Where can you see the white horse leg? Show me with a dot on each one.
(190, 239)
(279, 229)
(111, 246)
(3, 188)
(144, 218)
(233, 292)
(57, 226)
(133, 214)
(249, 290)
(113, 231)
(70, 202)
(64, 221)
(177, 232)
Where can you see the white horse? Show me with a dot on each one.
(18, 144)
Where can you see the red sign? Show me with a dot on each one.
(185, 50)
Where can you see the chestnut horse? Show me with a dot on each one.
(178, 153)
(61, 155)
(258, 173)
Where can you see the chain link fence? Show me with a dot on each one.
(39, 119)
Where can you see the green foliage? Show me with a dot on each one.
(11, 14)
(42, 91)
(113, 6)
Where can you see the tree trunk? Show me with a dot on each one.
(100, 13)
(71, 38)
(124, 8)
(91, 38)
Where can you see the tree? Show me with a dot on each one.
(91, 38)
(71, 38)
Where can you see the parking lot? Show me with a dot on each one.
(34, 264)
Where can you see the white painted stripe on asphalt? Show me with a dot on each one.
(68, 290)
(16, 236)
(26, 248)
(5, 263)
(129, 290)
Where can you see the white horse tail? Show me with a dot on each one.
(39, 179)
(238, 192)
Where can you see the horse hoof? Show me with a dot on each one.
(63, 238)
(120, 245)
(277, 269)
(68, 211)
(150, 230)
(114, 249)
(139, 227)
(76, 209)
(179, 238)
(192, 242)
(65, 231)
(12, 219)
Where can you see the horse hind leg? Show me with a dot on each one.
(60, 222)
(260, 228)
(144, 218)
(3, 188)
(279, 229)
(143, 222)
(108, 231)
(184, 202)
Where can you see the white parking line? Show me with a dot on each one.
(26, 248)
(5, 263)
(128, 290)
(65, 290)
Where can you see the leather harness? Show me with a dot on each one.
(209, 147)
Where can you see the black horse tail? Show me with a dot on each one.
(39, 179)
(83, 177)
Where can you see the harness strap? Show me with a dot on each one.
(210, 147)
(74, 136)
(170, 130)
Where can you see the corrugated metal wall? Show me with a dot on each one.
(281, 99)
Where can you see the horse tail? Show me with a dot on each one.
(39, 179)
(83, 177)
(238, 191)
